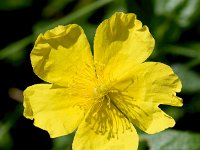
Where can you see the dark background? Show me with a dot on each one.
(175, 26)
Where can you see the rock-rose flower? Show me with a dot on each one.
(103, 95)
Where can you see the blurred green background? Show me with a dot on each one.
(175, 25)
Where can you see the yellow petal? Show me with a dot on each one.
(60, 53)
(106, 130)
(152, 82)
(120, 43)
(52, 109)
(147, 116)
(87, 139)
(144, 88)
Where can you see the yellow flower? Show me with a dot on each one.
(102, 96)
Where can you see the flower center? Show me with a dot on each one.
(100, 91)
(101, 96)
(104, 117)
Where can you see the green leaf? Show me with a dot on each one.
(54, 6)
(189, 13)
(142, 145)
(63, 143)
(14, 4)
(117, 5)
(12, 50)
(76, 14)
(5, 138)
(173, 140)
(190, 79)
(15, 51)
(89, 30)
(9, 120)
(182, 12)
(189, 50)
(193, 106)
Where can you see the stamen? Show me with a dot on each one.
(82, 85)
(126, 105)
(108, 103)
(103, 116)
